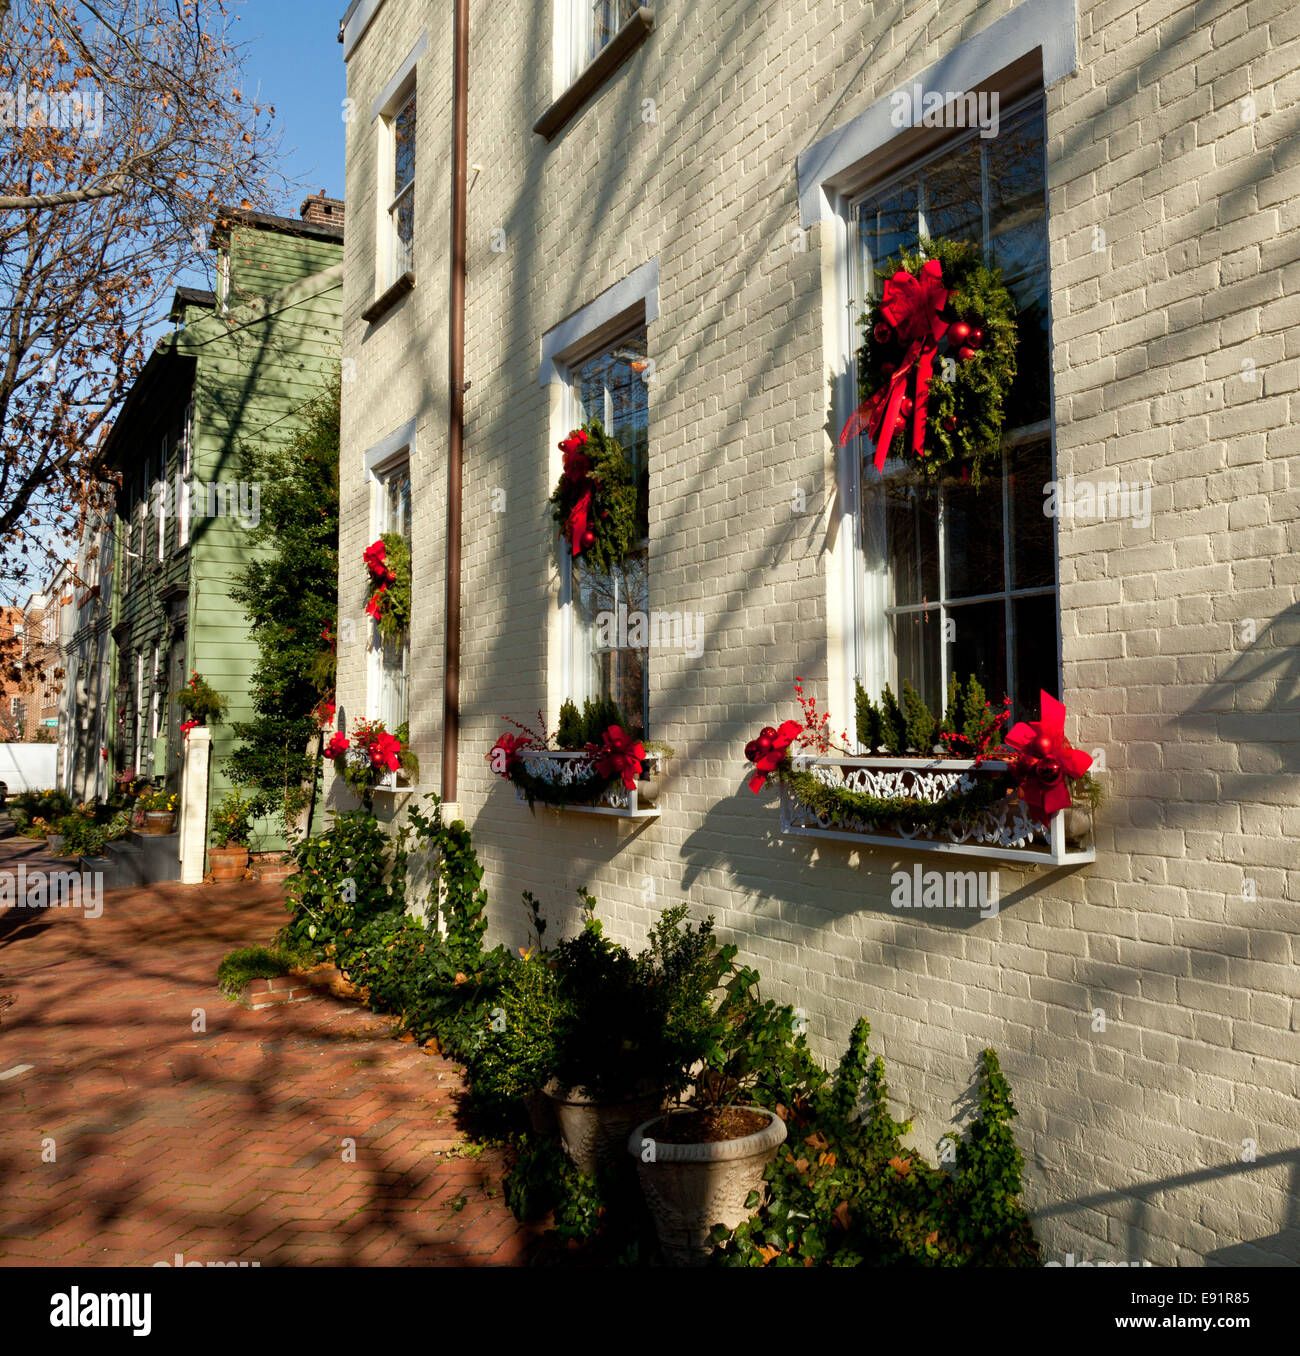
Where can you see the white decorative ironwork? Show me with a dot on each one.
(569, 769)
(1003, 829)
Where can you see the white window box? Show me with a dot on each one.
(563, 768)
(397, 783)
(1005, 831)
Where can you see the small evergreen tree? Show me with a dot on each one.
(920, 723)
(289, 591)
(867, 719)
(893, 724)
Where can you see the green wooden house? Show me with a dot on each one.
(237, 370)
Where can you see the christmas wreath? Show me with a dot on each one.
(389, 563)
(937, 360)
(594, 501)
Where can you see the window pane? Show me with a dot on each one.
(973, 539)
(607, 17)
(1036, 646)
(979, 645)
(1017, 196)
(951, 197)
(1033, 563)
(915, 637)
(404, 147)
(911, 517)
(612, 615)
(611, 387)
(403, 231)
(885, 227)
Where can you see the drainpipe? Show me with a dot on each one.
(456, 430)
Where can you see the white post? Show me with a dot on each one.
(194, 804)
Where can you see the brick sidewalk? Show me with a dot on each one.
(223, 1146)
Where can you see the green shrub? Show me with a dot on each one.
(845, 1192)
(239, 967)
(232, 820)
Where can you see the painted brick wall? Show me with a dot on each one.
(1176, 363)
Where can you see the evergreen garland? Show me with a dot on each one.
(578, 792)
(612, 514)
(840, 803)
(391, 598)
(964, 415)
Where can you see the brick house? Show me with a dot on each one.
(11, 690)
(673, 222)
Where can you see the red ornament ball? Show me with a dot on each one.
(959, 332)
(589, 538)
(882, 333)
(977, 338)
(950, 423)
(965, 354)
(906, 408)
(1042, 746)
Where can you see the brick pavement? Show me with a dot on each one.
(228, 1144)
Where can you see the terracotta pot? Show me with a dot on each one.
(594, 1133)
(691, 1187)
(228, 863)
(156, 821)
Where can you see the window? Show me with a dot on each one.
(223, 279)
(401, 190)
(392, 659)
(13, 706)
(610, 386)
(160, 498)
(183, 481)
(960, 581)
(592, 23)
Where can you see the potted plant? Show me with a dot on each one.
(231, 831)
(610, 1057)
(159, 812)
(201, 702)
(701, 1163)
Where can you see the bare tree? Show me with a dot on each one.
(122, 127)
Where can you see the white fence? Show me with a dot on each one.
(28, 767)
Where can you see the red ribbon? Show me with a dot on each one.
(1046, 759)
(913, 306)
(577, 471)
(767, 760)
(622, 756)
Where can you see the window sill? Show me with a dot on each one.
(610, 57)
(617, 802)
(1004, 832)
(386, 300)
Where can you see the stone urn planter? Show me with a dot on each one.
(159, 821)
(691, 1187)
(594, 1133)
(541, 1113)
(228, 863)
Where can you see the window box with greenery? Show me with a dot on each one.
(957, 783)
(374, 759)
(592, 763)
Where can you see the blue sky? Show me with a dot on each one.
(296, 63)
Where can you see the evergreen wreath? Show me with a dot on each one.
(958, 324)
(594, 501)
(389, 602)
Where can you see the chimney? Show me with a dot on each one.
(323, 211)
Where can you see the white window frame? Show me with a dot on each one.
(395, 96)
(139, 711)
(159, 497)
(223, 279)
(874, 662)
(833, 173)
(380, 461)
(183, 480)
(628, 305)
(575, 29)
(156, 696)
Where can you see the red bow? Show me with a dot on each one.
(374, 555)
(509, 745)
(1046, 759)
(767, 751)
(622, 756)
(577, 471)
(337, 746)
(913, 305)
(384, 751)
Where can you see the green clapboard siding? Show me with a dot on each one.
(249, 371)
